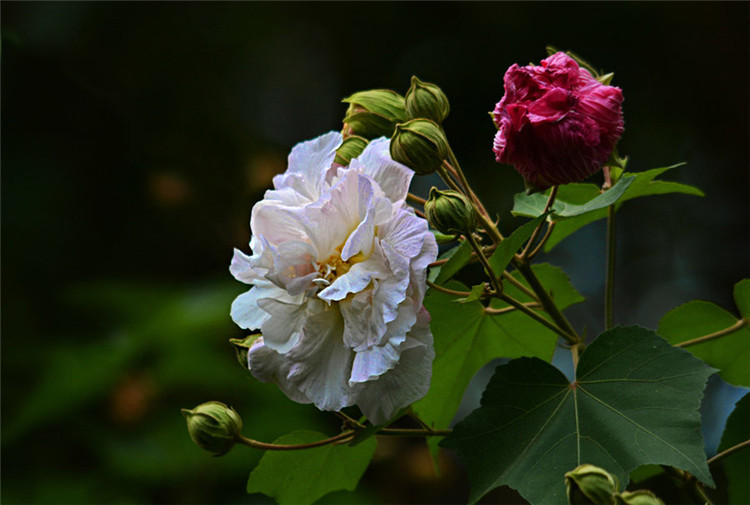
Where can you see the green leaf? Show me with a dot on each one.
(457, 258)
(474, 295)
(508, 247)
(742, 297)
(534, 205)
(730, 353)
(737, 465)
(576, 195)
(635, 402)
(302, 477)
(466, 338)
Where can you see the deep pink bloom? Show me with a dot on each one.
(556, 123)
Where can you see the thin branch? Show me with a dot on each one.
(538, 248)
(521, 286)
(550, 201)
(344, 436)
(415, 199)
(438, 287)
(494, 312)
(496, 285)
(534, 315)
(723, 454)
(609, 284)
(705, 338)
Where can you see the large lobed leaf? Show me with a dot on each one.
(301, 477)
(467, 338)
(580, 204)
(729, 353)
(635, 402)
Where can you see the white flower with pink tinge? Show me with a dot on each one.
(338, 272)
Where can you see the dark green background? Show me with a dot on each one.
(136, 137)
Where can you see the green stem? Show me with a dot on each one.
(495, 312)
(526, 254)
(438, 287)
(705, 338)
(410, 432)
(485, 263)
(547, 303)
(609, 285)
(521, 287)
(723, 454)
(534, 315)
(538, 248)
(344, 436)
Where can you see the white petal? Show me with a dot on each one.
(267, 365)
(408, 382)
(245, 311)
(277, 223)
(322, 363)
(241, 267)
(392, 177)
(282, 330)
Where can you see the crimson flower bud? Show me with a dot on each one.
(556, 123)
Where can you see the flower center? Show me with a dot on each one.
(334, 267)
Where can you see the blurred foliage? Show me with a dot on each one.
(136, 137)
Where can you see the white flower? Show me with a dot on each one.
(338, 272)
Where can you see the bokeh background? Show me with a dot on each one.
(137, 136)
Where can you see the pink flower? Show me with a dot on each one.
(556, 123)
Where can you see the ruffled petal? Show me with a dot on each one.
(267, 365)
(283, 329)
(375, 161)
(407, 382)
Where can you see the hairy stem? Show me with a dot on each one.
(718, 334)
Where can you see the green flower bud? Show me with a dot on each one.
(638, 497)
(419, 144)
(590, 485)
(426, 100)
(350, 148)
(213, 426)
(450, 212)
(242, 346)
(373, 113)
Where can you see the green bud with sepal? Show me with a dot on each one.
(426, 100)
(373, 113)
(242, 347)
(450, 212)
(213, 426)
(420, 144)
(591, 485)
(350, 148)
(638, 497)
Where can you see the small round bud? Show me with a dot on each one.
(450, 212)
(373, 113)
(638, 497)
(426, 100)
(213, 426)
(350, 148)
(419, 144)
(590, 485)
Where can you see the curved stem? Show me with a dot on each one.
(438, 287)
(723, 454)
(550, 200)
(494, 312)
(344, 436)
(609, 284)
(705, 338)
(538, 248)
(411, 197)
